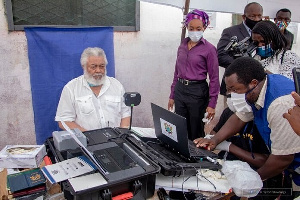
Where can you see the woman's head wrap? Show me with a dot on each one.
(197, 14)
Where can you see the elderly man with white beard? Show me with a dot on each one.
(93, 100)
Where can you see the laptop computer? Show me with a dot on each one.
(171, 129)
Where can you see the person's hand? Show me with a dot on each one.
(209, 144)
(210, 113)
(296, 97)
(171, 104)
(223, 146)
(293, 116)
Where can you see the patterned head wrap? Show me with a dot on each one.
(197, 14)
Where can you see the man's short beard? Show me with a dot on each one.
(90, 78)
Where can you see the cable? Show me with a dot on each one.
(200, 174)
(182, 167)
(182, 186)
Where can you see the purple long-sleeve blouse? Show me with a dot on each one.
(195, 64)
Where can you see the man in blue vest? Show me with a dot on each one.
(269, 97)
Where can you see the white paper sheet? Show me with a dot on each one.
(90, 181)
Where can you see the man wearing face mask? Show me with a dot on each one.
(247, 145)
(93, 100)
(190, 92)
(253, 13)
(272, 49)
(282, 20)
(269, 97)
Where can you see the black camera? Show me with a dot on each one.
(132, 98)
(242, 48)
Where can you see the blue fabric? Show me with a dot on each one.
(54, 59)
(277, 86)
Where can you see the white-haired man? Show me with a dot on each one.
(93, 100)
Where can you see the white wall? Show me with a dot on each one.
(144, 63)
(145, 60)
(16, 112)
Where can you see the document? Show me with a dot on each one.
(68, 169)
(90, 181)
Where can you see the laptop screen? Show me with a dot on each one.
(171, 129)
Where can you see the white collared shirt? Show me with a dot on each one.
(284, 140)
(78, 103)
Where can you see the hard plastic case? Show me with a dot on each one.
(141, 185)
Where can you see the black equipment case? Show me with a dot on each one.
(125, 167)
(171, 163)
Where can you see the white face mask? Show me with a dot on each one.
(230, 104)
(239, 103)
(195, 36)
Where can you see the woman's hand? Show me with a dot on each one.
(210, 113)
(171, 104)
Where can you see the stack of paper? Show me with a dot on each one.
(22, 156)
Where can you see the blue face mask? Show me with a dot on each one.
(265, 51)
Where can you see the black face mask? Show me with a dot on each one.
(251, 23)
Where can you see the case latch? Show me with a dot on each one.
(137, 186)
(106, 195)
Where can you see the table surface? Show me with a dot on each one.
(4, 192)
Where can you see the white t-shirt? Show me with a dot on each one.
(284, 140)
(78, 103)
(289, 61)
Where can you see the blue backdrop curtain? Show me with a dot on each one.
(54, 59)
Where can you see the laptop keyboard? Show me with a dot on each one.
(196, 152)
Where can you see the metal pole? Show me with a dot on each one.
(186, 11)
(130, 116)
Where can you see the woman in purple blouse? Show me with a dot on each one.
(190, 92)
